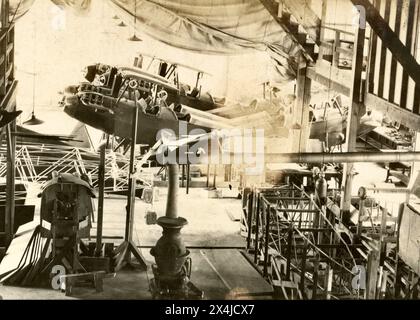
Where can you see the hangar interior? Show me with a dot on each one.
(261, 149)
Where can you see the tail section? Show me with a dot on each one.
(81, 135)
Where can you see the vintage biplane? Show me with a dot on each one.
(178, 74)
(328, 122)
(108, 100)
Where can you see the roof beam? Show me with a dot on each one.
(399, 51)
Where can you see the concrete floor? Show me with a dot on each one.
(210, 228)
(209, 224)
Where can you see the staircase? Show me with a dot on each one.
(299, 21)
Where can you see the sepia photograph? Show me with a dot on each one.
(218, 157)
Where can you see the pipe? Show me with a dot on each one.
(173, 186)
(345, 157)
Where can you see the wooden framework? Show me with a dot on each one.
(295, 241)
(305, 252)
(8, 103)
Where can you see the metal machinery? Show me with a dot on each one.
(55, 252)
(173, 266)
(66, 205)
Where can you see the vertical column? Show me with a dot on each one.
(372, 274)
(10, 182)
(4, 13)
(132, 179)
(322, 31)
(336, 47)
(11, 140)
(356, 111)
(303, 97)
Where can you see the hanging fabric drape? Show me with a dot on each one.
(214, 27)
(220, 27)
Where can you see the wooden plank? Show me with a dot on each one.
(382, 61)
(408, 44)
(393, 75)
(393, 43)
(303, 97)
(355, 112)
(322, 50)
(403, 116)
(373, 47)
(372, 274)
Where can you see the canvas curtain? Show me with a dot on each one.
(207, 26)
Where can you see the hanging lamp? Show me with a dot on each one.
(134, 36)
(33, 120)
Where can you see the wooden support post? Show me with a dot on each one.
(9, 104)
(382, 294)
(303, 268)
(101, 187)
(398, 271)
(257, 225)
(361, 213)
(266, 239)
(383, 53)
(382, 243)
(322, 29)
(303, 97)
(336, 48)
(188, 179)
(356, 111)
(4, 13)
(208, 176)
(372, 274)
(315, 277)
(397, 279)
(10, 182)
(182, 175)
(289, 252)
(215, 176)
(251, 197)
(329, 282)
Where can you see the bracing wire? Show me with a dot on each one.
(332, 226)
